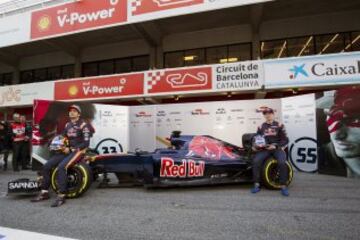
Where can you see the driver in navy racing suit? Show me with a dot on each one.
(276, 141)
(78, 133)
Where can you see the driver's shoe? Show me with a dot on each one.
(255, 189)
(60, 200)
(284, 191)
(41, 197)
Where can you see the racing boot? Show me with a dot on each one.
(284, 191)
(43, 195)
(60, 200)
(256, 188)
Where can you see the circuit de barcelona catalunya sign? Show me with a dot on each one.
(329, 69)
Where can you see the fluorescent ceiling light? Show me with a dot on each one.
(282, 49)
(329, 43)
(305, 46)
(352, 43)
(190, 58)
(226, 60)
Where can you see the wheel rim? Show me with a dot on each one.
(74, 180)
(274, 175)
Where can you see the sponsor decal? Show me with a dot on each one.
(298, 70)
(237, 110)
(113, 86)
(322, 69)
(199, 111)
(139, 7)
(161, 114)
(77, 16)
(220, 111)
(237, 76)
(105, 114)
(175, 113)
(179, 80)
(11, 94)
(186, 169)
(328, 69)
(142, 114)
(23, 185)
(303, 154)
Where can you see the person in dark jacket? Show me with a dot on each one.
(78, 133)
(276, 141)
(27, 142)
(5, 142)
(19, 137)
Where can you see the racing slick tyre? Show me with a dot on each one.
(79, 180)
(270, 174)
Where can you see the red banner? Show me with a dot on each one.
(181, 80)
(77, 16)
(102, 87)
(147, 6)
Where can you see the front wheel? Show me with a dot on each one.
(78, 182)
(271, 176)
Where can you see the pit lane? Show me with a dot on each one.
(319, 207)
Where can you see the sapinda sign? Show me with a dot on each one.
(77, 16)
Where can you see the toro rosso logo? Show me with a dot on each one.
(187, 168)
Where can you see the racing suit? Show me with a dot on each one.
(275, 134)
(78, 134)
(19, 149)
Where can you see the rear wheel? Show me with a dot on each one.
(271, 176)
(78, 182)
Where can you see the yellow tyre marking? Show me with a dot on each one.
(267, 178)
(85, 180)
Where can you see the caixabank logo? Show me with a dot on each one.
(77, 16)
(324, 69)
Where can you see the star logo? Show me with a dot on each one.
(298, 70)
(44, 23)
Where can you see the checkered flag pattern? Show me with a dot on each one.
(135, 4)
(152, 78)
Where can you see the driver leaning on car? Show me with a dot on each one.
(276, 141)
(78, 133)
